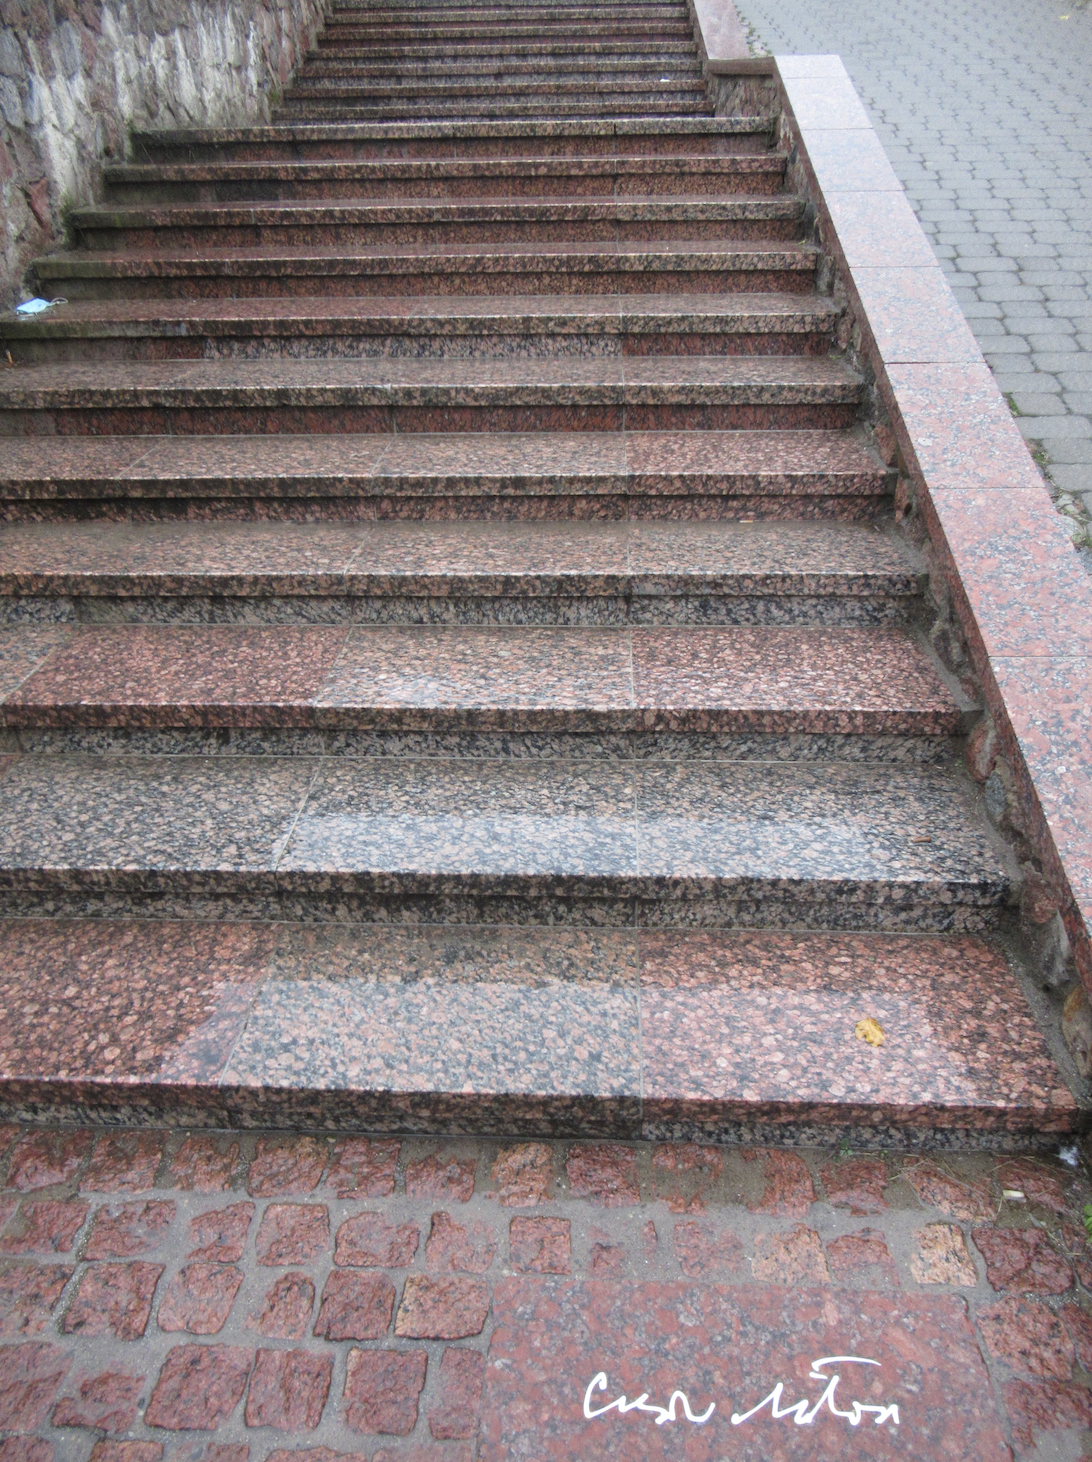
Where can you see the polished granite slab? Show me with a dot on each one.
(714, 1035)
(839, 681)
(717, 842)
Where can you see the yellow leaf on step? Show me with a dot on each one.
(869, 1030)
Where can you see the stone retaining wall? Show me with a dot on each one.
(76, 75)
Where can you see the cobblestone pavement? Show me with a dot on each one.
(986, 114)
(226, 1297)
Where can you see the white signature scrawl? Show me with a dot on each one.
(802, 1412)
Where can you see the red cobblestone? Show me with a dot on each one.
(113, 1299)
(1028, 1337)
(361, 1168)
(368, 1241)
(316, 1454)
(129, 1229)
(25, 1449)
(937, 1189)
(44, 1227)
(292, 1233)
(220, 1234)
(1022, 1259)
(199, 1298)
(449, 1179)
(284, 1166)
(288, 1389)
(216, 1452)
(605, 1172)
(108, 1451)
(442, 1309)
(381, 1390)
(106, 1402)
(794, 1258)
(455, 1415)
(522, 1175)
(858, 1185)
(942, 1257)
(1043, 1406)
(456, 1248)
(286, 1314)
(425, 1452)
(607, 1261)
(28, 1293)
(683, 1172)
(540, 1245)
(47, 1159)
(199, 1386)
(29, 1378)
(204, 1165)
(1037, 1183)
(126, 1163)
(355, 1306)
(701, 1249)
(789, 1190)
(866, 1249)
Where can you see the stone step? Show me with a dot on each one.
(677, 266)
(500, 838)
(451, 84)
(398, 141)
(333, 50)
(402, 179)
(439, 221)
(796, 475)
(488, 104)
(542, 32)
(445, 679)
(526, 1031)
(539, 325)
(409, 70)
(456, 572)
(638, 393)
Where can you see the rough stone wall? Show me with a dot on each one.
(76, 75)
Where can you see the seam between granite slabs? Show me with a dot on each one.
(320, 767)
(41, 663)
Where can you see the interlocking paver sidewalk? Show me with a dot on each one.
(986, 114)
(321, 1297)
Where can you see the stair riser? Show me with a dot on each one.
(347, 52)
(360, 89)
(227, 285)
(442, 234)
(766, 183)
(584, 141)
(52, 603)
(500, 71)
(204, 420)
(311, 344)
(442, 900)
(232, 503)
(489, 108)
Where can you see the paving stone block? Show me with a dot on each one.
(292, 1233)
(104, 1402)
(124, 1230)
(199, 1298)
(113, 1299)
(282, 1166)
(381, 1390)
(705, 1250)
(459, 1248)
(355, 1306)
(606, 1173)
(203, 1165)
(1028, 1337)
(47, 1159)
(288, 1389)
(220, 1235)
(539, 1245)
(29, 1377)
(455, 1415)
(363, 1168)
(442, 1178)
(941, 1257)
(1022, 1259)
(286, 1313)
(44, 1227)
(367, 1240)
(199, 1386)
(28, 1294)
(442, 1308)
(523, 1175)
(126, 1163)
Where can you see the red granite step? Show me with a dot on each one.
(478, 1029)
(489, 107)
(442, 222)
(332, 50)
(796, 474)
(595, 325)
(460, 571)
(641, 393)
(672, 266)
(842, 681)
(601, 175)
(334, 141)
(410, 71)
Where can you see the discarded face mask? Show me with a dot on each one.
(37, 306)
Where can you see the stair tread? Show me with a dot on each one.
(397, 826)
(445, 557)
(611, 164)
(830, 681)
(305, 1014)
(368, 380)
(585, 314)
(465, 130)
(645, 461)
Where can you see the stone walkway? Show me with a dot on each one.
(986, 114)
(225, 1297)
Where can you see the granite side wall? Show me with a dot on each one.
(76, 75)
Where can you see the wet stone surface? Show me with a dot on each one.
(455, 1299)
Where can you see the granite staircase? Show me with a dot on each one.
(459, 667)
